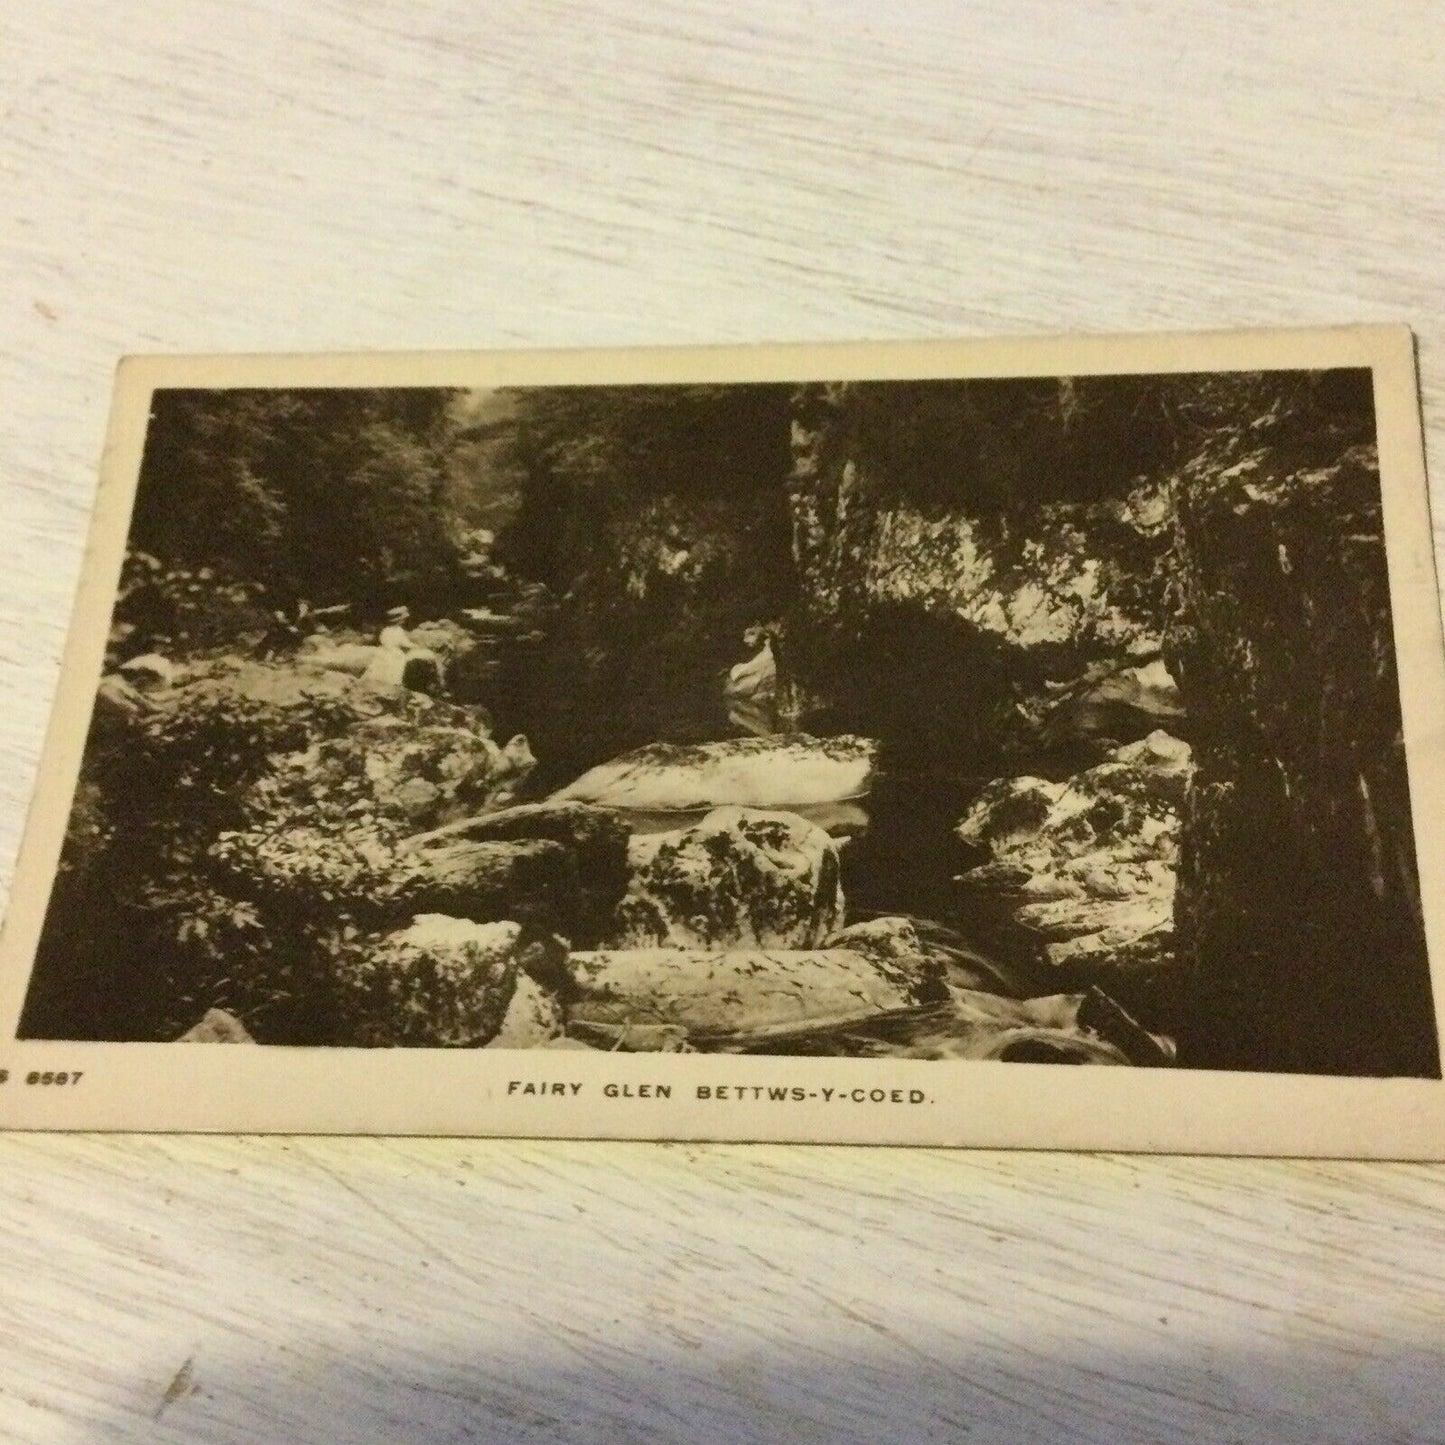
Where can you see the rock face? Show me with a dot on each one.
(952, 574)
(740, 878)
(441, 983)
(897, 488)
(756, 772)
(710, 995)
(1299, 904)
(595, 838)
(1085, 869)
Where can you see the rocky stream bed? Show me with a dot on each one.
(384, 885)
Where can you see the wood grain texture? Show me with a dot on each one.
(264, 176)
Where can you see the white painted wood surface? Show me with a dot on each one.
(269, 176)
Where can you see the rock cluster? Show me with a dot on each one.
(1085, 869)
(547, 923)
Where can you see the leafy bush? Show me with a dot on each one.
(229, 843)
(335, 495)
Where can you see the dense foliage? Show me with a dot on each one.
(331, 496)
(231, 845)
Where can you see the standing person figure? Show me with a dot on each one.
(394, 634)
(751, 690)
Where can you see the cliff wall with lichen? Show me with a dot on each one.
(965, 551)
(1299, 930)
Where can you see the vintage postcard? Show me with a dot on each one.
(787, 743)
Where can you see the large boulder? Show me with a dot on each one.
(532, 881)
(1084, 870)
(755, 772)
(739, 878)
(311, 877)
(713, 997)
(440, 983)
(596, 838)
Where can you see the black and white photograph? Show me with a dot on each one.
(1037, 719)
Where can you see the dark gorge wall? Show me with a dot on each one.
(1298, 904)
(981, 567)
(935, 563)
